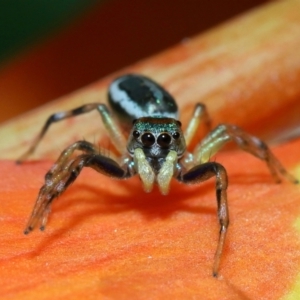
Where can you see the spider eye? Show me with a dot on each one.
(136, 134)
(164, 140)
(176, 135)
(148, 139)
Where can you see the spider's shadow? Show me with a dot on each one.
(151, 205)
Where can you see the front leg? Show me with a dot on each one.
(204, 172)
(58, 182)
(224, 133)
(65, 157)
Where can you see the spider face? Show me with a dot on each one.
(156, 136)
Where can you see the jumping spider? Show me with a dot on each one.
(155, 149)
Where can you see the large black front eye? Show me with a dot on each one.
(148, 139)
(164, 140)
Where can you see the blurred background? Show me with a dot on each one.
(50, 48)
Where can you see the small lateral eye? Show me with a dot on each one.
(136, 134)
(148, 139)
(176, 135)
(164, 140)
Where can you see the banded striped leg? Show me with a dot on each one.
(108, 121)
(200, 116)
(201, 173)
(64, 158)
(224, 133)
(64, 172)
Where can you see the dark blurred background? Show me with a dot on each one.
(50, 48)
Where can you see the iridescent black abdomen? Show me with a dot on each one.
(134, 96)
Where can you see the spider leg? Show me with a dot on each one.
(200, 115)
(64, 157)
(109, 123)
(201, 173)
(58, 181)
(224, 133)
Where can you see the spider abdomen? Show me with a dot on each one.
(134, 96)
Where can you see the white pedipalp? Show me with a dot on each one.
(166, 172)
(144, 169)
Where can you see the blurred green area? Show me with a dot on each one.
(23, 23)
